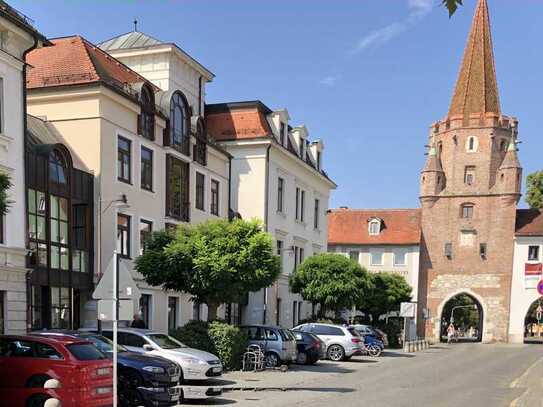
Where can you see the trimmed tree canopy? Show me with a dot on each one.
(216, 262)
(387, 292)
(534, 190)
(331, 280)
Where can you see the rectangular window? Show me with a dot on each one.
(354, 255)
(280, 252)
(2, 230)
(376, 257)
(316, 214)
(297, 214)
(215, 197)
(146, 169)
(177, 189)
(469, 175)
(467, 238)
(302, 207)
(124, 160)
(200, 191)
(123, 235)
(467, 211)
(145, 309)
(146, 228)
(80, 238)
(172, 312)
(58, 224)
(60, 307)
(533, 253)
(400, 257)
(280, 194)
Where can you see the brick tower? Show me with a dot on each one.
(469, 190)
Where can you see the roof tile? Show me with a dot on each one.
(529, 222)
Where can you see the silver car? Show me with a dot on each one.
(278, 344)
(195, 364)
(341, 342)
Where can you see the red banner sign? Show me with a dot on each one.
(533, 269)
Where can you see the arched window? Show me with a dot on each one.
(57, 168)
(147, 116)
(471, 144)
(179, 123)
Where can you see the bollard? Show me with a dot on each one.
(406, 347)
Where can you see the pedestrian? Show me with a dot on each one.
(138, 322)
(450, 333)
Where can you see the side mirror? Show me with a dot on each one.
(52, 403)
(52, 384)
(148, 348)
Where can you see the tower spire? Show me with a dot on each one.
(477, 88)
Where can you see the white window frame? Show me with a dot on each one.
(403, 252)
(377, 251)
(374, 222)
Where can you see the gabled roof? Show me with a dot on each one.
(477, 88)
(350, 227)
(74, 60)
(529, 222)
(131, 40)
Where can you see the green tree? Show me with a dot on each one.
(216, 261)
(331, 280)
(534, 190)
(452, 5)
(5, 184)
(388, 291)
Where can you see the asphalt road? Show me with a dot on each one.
(466, 375)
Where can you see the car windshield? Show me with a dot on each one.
(166, 341)
(86, 351)
(104, 344)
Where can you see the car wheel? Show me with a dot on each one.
(301, 359)
(336, 353)
(375, 351)
(37, 400)
(131, 397)
(272, 360)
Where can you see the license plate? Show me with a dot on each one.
(175, 397)
(174, 379)
(217, 369)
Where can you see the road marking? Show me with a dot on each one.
(515, 383)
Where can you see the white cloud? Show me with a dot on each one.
(329, 80)
(418, 9)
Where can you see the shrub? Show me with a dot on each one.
(229, 342)
(219, 338)
(393, 330)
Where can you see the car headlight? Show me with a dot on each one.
(194, 361)
(154, 369)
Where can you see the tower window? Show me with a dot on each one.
(503, 145)
(469, 175)
(471, 144)
(467, 211)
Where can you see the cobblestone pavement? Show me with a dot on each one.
(473, 375)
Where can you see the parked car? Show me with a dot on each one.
(364, 330)
(144, 380)
(28, 362)
(278, 344)
(341, 342)
(195, 364)
(310, 348)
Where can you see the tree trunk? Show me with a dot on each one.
(212, 310)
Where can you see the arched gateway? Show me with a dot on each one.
(533, 323)
(465, 313)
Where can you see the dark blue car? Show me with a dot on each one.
(144, 380)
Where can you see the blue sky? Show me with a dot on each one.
(367, 76)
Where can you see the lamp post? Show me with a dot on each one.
(120, 203)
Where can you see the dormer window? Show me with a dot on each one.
(302, 149)
(282, 133)
(374, 226)
(319, 159)
(146, 120)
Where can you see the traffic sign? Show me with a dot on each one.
(127, 286)
(540, 287)
(408, 309)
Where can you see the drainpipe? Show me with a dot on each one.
(230, 211)
(266, 208)
(25, 128)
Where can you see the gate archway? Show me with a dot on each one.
(465, 312)
(533, 323)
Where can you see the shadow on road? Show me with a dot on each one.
(388, 354)
(323, 368)
(218, 382)
(209, 402)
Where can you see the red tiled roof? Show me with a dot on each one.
(529, 222)
(350, 226)
(74, 60)
(240, 124)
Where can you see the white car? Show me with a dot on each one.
(341, 342)
(195, 364)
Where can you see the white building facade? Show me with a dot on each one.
(278, 178)
(527, 271)
(17, 37)
(380, 240)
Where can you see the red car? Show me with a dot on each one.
(27, 362)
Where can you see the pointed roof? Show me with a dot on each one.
(433, 164)
(476, 88)
(131, 40)
(511, 159)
